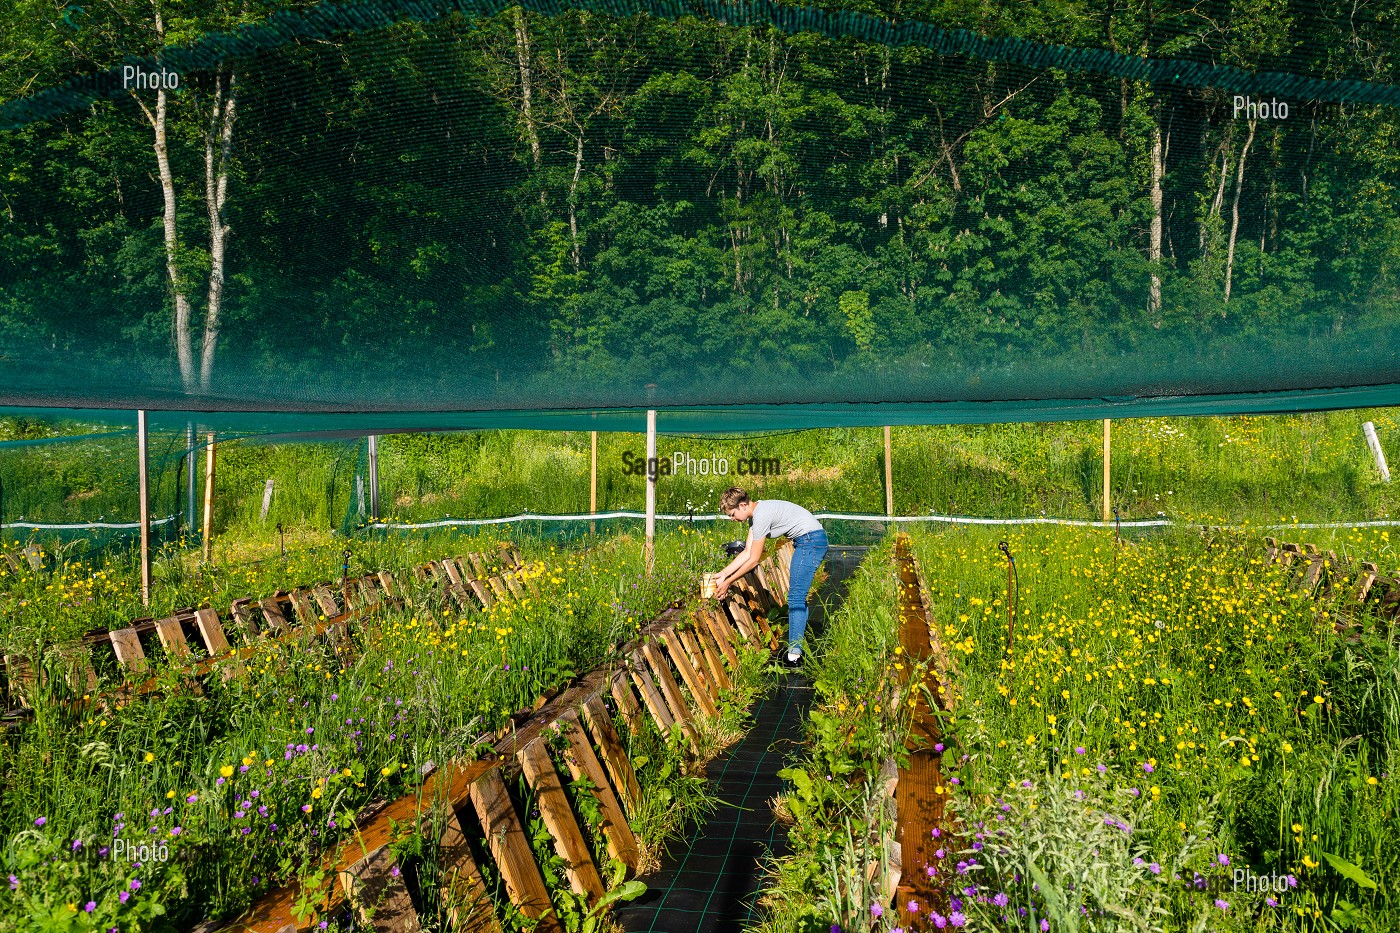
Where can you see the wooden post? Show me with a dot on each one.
(374, 477)
(889, 477)
(267, 500)
(593, 484)
(209, 501)
(145, 496)
(1374, 442)
(652, 470)
(1106, 457)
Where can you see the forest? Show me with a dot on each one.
(506, 207)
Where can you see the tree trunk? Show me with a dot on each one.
(1154, 244)
(522, 53)
(573, 199)
(216, 165)
(1235, 212)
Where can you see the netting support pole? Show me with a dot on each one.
(652, 470)
(374, 477)
(1106, 458)
(889, 477)
(191, 479)
(1374, 442)
(209, 501)
(143, 465)
(593, 484)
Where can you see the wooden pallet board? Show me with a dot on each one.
(127, 646)
(505, 837)
(624, 777)
(325, 600)
(469, 907)
(698, 689)
(650, 694)
(714, 661)
(722, 632)
(582, 762)
(661, 674)
(627, 703)
(558, 816)
(378, 893)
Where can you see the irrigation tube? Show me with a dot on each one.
(82, 526)
(884, 519)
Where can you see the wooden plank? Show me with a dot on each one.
(698, 661)
(723, 633)
(303, 607)
(79, 672)
(130, 655)
(627, 703)
(243, 619)
(275, 622)
(212, 631)
(742, 620)
(1313, 574)
(20, 674)
(661, 673)
(558, 816)
(479, 565)
(369, 589)
(513, 556)
(325, 600)
(514, 586)
(172, 637)
(698, 689)
(1271, 550)
(624, 777)
(469, 907)
(505, 837)
(1366, 581)
(714, 661)
(34, 556)
(482, 593)
(498, 587)
(651, 696)
(378, 894)
(582, 762)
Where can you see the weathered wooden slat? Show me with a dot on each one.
(77, 665)
(722, 633)
(172, 637)
(1313, 574)
(274, 622)
(1366, 581)
(130, 655)
(741, 620)
(624, 777)
(389, 584)
(582, 762)
(698, 690)
(243, 618)
(325, 600)
(558, 816)
(651, 696)
(478, 565)
(469, 907)
(514, 586)
(305, 610)
(697, 661)
(483, 593)
(627, 703)
(378, 893)
(714, 661)
(661, 673)
(22, 679)
(505, 837)
(498, 587)
(216, 643)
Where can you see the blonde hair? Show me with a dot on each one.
(733, 498)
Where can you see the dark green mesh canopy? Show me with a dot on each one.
(456, 214)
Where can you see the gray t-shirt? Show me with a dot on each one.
(774, 518)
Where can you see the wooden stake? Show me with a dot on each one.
(649, 550)
(889, 477)
(1106, 456)
(145, 505)
(209, 502)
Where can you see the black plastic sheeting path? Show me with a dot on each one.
(708, 883)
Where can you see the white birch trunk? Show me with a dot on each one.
(216, 165)
(1235, 212)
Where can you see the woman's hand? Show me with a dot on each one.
(721, 584)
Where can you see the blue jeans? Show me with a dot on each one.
(808, 551)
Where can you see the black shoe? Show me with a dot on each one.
(792, 663)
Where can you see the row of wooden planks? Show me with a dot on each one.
(695, 653)
(200, 638)
(1346, 588)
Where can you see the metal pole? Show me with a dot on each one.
(652, 470)
(209, 501)
(374, 477)
(593, 484)
(889, 476)
(143, 465)
(1374, 442)
(1106, 457)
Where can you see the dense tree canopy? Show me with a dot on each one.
(521, 208)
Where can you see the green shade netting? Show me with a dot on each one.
(459, 215)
